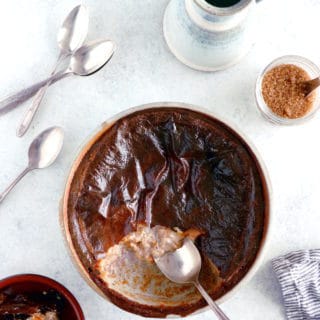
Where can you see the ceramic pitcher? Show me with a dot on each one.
(206, 37)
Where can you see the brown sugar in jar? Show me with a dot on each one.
(284, 93)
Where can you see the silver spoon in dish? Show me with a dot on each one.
(43, 151)
(71, 36)
(183, 266)
(86, 61)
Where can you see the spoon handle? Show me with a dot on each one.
(31, 111)
(13, 184)
(311, 85)
(215, 308)
(16, 99)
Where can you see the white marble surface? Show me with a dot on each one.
(142, 71)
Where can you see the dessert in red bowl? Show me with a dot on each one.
(35, 297)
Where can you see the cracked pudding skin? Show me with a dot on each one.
(177, 168)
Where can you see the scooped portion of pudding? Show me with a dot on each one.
(151, 243)
(129, 269)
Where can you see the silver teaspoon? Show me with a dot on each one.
(87, 60)
(183, 266)
(43, 151)
(71, 36)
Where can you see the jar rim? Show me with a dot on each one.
(223, 11)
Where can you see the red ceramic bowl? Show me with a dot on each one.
(27, 283)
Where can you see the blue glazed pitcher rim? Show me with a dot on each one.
(223, 11)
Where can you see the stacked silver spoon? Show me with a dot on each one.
(71, 36)
(85, 59)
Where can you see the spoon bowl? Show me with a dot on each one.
(91, 57)
(183, 266)
(45, 148)
(73, 30)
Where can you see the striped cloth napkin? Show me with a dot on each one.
(299, 276)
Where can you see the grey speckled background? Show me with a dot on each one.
(142, 71)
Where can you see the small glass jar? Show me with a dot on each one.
(313, 71)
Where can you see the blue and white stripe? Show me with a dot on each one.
(299, 275)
